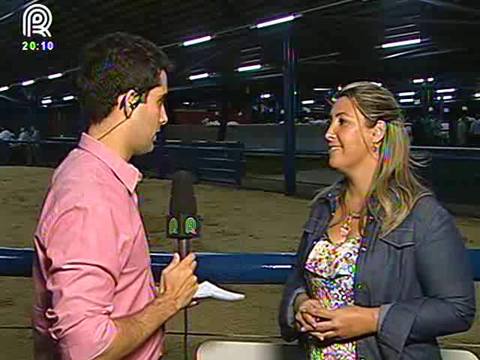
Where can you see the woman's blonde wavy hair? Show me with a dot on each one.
(395, 187)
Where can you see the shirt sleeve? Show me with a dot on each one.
(444, 272)
(84, 266)
(294, 287)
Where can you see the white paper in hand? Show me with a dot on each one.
(207, 289)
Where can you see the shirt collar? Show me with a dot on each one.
(331, 194)
(128, 174)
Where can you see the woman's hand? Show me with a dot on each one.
(308, 315)
(346, 323)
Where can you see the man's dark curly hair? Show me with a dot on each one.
(112, 65)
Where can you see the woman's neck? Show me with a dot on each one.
(357, 191)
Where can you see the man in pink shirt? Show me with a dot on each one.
(95, 296)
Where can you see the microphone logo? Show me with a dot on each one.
(173, 226)
(191, 226)
(183, 226)
(37, 19)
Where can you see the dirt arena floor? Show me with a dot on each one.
(234, 220)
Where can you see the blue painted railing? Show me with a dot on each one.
(221, 268)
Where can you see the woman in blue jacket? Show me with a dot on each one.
(381, 269)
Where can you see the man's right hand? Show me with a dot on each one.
(177, 287)
(178, 281)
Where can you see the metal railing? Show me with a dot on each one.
(221, 268)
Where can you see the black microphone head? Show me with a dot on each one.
(182, 198)
(182, 219)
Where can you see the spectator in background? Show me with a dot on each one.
(24, 135)
(5, 147)
(463, 127)
(6, 135)
(35, 146)
(462, 132)
(34, 134)
(24, 150)
(475, 131)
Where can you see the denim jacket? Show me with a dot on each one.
(419, 275)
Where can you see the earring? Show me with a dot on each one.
(375, 148)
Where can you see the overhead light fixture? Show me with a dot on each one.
(401, 43)
(4, 88)
(477, 95)
(46, 101)
(54, 76)
(339, 87)
(249, 68)
(407, 93)
(401, 27)
(431, 79)
(395, 55)
(186, 103)
(67, 98)
(417, 102)
(251, 49)
(28, 82)
(445, 91)
(198, 76)
(321, 89)
(404, 101)
(439, 98)
(265, 96)
(308, 102)
(403, 35)
(448, 97)
(275, 21)
(418, 81)
(197, 41)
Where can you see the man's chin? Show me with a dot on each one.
(145, 150)
(150, 148)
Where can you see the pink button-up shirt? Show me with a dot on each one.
(92, 262)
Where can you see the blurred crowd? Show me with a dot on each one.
(22, 148)
(30, 134)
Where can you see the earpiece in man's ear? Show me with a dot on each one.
(135, 101)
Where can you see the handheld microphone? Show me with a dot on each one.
(183, 223)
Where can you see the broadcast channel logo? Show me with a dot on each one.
(37, 19)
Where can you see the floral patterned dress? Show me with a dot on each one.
(330, 272)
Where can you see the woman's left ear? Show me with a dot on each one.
(379, 131)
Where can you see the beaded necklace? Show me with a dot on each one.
(346, 227)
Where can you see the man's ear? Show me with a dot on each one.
(126, 100)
